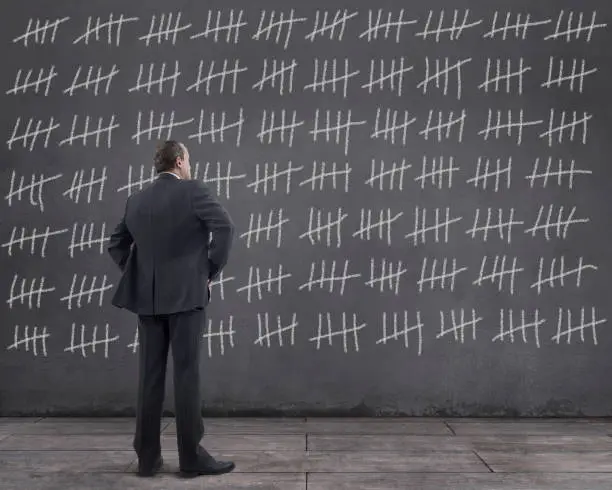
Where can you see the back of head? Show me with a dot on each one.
(166, 155)
(173, 156)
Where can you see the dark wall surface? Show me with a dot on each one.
(420, 189)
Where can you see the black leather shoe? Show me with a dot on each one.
(209, 468)
(148, 470)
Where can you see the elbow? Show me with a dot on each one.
(230, 227)
(230, 232)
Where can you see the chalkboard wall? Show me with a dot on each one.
(420, 189)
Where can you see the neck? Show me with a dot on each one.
(172, 172)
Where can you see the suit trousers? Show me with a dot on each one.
(182, 331)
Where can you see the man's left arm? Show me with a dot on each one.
(120, 243)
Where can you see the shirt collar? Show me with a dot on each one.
(171, 173)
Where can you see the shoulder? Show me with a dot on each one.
(197, 186)
(196, 183)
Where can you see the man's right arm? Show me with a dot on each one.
(120, 242)
(218, 221)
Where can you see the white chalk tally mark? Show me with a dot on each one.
(332, 73)
(392, 175)
(40, 32)
(86, 239)
(323, 172)
(76, 297)
(265, 334)
(40, 84)
(458, 325)
(221, 178)
(557, 74)
(95, 80)
(106, 340)
(332, 28)
(442, 221)
(34, 238)
(559, 273)
(32, 295)
(328, 276)
(273, 24)
(134, 185)
(257, 285)
(381, 225)
(278, 75)
(443, 274)
(554, 223)
(378, 27)
(500, 75)
(30, 134)
(216, 131)
(566, 28)
(99, 132)
(101, 29)
(386, 275)
(444, 126)
(156, 130)
(395, 333)
(454, 30)
(505, 122)
(220, 283)
(439, 174)
(487, 173)
(440, 73)
(268, 176)
(393, 74)
(30, 340)
(34, 188)
(510, 328)
(155, 79)
(222, 333)
(226, 73)
(496, 221)
(216, 26)
(135, 343)
(162, 29)
(514, 24)
(321, 226)
(498, 272)
(569, 122)
(335, 75)
(389, 128)
(551, 175)
(334, 131)
(348, 329)
(79, 185)
(282, 125)
(260, 226)
(566, 329)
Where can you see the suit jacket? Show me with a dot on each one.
(162, 247)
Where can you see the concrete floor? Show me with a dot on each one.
(318, 454)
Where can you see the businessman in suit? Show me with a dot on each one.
(162, 247)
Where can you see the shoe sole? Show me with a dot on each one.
(150, 472)
(147, 474)
(194, 474)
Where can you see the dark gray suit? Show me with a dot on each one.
(162, 247)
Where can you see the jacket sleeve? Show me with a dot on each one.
(120, 243)
(218, 222)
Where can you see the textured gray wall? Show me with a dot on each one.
(351, 261)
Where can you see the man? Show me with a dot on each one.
(162, 247)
